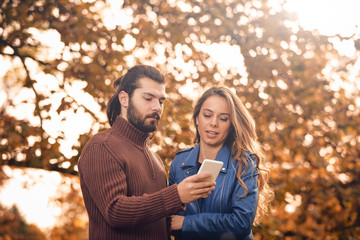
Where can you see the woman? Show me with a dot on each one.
(225, 131)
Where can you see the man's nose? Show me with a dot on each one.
(157, 106)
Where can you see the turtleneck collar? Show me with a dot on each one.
(122, 127)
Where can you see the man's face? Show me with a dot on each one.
(146, 105)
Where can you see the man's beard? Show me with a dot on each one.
(134, 117)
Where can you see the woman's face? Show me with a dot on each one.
(213, 121)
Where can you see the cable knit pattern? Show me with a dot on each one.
(124, 186)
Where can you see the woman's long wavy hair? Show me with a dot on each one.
(128, 83)
(242, 138)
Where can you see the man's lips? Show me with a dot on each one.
(154, 116)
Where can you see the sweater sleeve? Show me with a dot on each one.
(106, 183)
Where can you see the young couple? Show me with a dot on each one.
(124, 183)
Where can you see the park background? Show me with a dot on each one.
(295, 65)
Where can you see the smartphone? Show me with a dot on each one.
(211, 166)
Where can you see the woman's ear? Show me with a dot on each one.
(123, 99)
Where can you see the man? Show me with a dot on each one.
(123, 182)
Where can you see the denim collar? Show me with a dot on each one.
(224, 155)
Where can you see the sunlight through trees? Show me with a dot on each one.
(59, 59)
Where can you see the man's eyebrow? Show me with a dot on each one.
(206, 109)
(152, 95)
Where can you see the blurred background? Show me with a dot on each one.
(295, 65)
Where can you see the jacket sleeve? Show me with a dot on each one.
(236, 223)
(172, 172)
(105, 184)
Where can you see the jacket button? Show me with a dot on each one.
(182, 164)
(187, 172)
(223, 169)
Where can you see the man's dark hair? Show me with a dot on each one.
(128, 83)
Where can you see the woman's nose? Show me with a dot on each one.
(214, 122)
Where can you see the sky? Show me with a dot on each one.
(330, 17)
(31, 190)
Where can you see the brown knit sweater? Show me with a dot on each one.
(124, 186)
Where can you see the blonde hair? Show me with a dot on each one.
(242, 138)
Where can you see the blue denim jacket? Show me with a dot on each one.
(223, 214)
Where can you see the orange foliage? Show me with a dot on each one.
(309, 131)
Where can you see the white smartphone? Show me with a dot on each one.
(211, 166)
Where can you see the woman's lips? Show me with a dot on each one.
(211, 133)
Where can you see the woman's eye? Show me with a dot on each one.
(207, 116)
(148, 99)
(224, 119)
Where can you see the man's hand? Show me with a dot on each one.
(195, 187)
